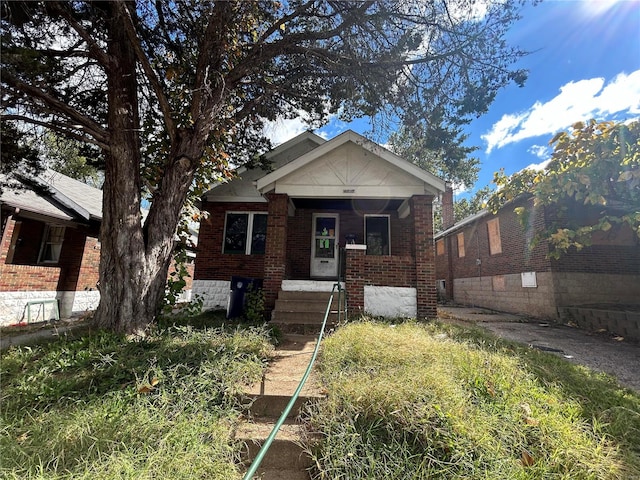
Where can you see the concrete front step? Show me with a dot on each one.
(274, 405)
(286, 451)
(286, 458)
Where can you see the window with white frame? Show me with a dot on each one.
(51, 244)
(377, 235)
(245, 233)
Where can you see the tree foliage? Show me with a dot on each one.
(592, 182)
(439, 149)
(170, 91)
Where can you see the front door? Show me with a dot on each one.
(324, 247)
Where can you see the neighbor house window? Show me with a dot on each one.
(376, 231)
(440, 247)
(51, 244)
(495, 245)
(245, 233)
(460, 238)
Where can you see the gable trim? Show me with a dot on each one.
(433, 184)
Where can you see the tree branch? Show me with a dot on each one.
(157, 87)
(92, 128)
(62, 128)
(96, 51)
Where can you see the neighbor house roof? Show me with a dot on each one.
(55, 195)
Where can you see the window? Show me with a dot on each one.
(460, 238)
(376, 231)
(495, 245)
(242, 226)
(51, 244)
(440, 247)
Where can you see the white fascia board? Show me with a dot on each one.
(307, 135)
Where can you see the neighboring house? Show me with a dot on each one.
(345, 208)
(485, 260)
(50, 250)
(50, 253)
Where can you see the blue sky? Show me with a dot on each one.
(585, 63)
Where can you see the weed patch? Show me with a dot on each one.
(416, 401)
(102, 407)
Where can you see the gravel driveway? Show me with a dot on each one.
(598, 351)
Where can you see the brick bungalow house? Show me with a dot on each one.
(345, 208)
(50, 250)
(49, 253)
(485, 260)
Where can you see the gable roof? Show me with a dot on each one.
(432, 184)
(242, 187)
(55, 195)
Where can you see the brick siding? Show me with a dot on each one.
(76, 270)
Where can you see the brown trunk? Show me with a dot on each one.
(131, 281)
(134, 258)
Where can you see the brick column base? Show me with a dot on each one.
(354, 279)
(275, 257)
(421, 206)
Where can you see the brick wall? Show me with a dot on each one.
(608, 271)
(211, 263)
(275, 260)
(421, 208)
(77, 268)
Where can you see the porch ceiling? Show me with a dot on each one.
(356, 204)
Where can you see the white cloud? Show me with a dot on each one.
(281, 130)
(540, 151)
(577, 101)
(538, 166)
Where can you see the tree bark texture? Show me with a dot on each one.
(133, 267)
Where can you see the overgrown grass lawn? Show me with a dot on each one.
(103, 407)
(415, 401)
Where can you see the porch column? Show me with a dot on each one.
(354, 278)
(421, 206)
(275, 256)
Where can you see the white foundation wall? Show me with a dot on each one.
(214, 293)
(391, 301)
(13, 305)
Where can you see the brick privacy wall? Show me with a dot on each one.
(76, 270)
(211, 263)
(275, 260)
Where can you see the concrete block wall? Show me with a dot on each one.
(618, 322)
(214, 293)
(579, 288)
(506, 293)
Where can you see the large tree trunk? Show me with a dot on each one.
(132, 276)
(135, 256)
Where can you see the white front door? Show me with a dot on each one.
(324, 246)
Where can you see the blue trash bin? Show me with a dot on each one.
(239, 287)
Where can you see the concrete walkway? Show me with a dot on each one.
(286, 458)
(598, 351)
(37, 333)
